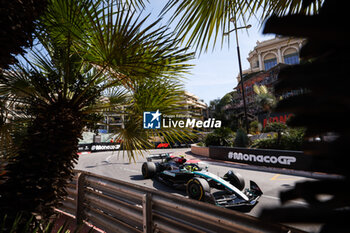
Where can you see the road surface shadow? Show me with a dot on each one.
(106, 163)
(163, 187)
(136, 177)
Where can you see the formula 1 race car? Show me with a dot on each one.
(193, 175)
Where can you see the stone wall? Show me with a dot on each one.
(199, 150)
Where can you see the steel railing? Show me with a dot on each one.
(118, 206)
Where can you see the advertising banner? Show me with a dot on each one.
(97, 147)
(110, 146)
(104, 146)
(273, 117)
(296, 160)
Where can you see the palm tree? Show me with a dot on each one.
(18, 19)
(264, 98)
(87, 48)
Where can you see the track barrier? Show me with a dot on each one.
(117, 206)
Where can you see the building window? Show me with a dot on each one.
(270, 63)
(255, 64)
(291, 59)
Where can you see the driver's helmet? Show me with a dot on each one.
(191, 168)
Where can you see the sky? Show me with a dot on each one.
(215, 72)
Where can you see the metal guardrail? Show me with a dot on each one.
(118, 206)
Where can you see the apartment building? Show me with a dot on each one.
(269, 53)
(194, 106)
(266, 60)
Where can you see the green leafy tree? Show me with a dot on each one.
(220, 137)
(277, 127)
(228, 119)
(241, 139)
(88, 48)
(254, 127)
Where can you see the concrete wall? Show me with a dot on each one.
(199, 150)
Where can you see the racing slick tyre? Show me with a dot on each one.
(148, 169)
(235, 179)
(196, 188)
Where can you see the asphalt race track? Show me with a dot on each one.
(116, 165)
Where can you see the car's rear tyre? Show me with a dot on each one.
(148, 170)
(235, 179)
(196, 188)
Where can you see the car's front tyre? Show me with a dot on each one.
(235, 179)
(196, 188)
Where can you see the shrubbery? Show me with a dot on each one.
(220, 137)
(226, 137)
(283, 138)
(23, 224)
(288, 139)
(275, 127)
(254, 127)
(241, 139)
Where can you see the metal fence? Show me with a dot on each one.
(117, 206)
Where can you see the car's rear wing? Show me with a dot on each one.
(158, 156)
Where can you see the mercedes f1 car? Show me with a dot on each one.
(193, 175)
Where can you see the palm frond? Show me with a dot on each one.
(167, 96)
(120, 40)
(201, 23)
(137, 4)
(112, 101)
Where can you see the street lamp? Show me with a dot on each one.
(240, 69)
